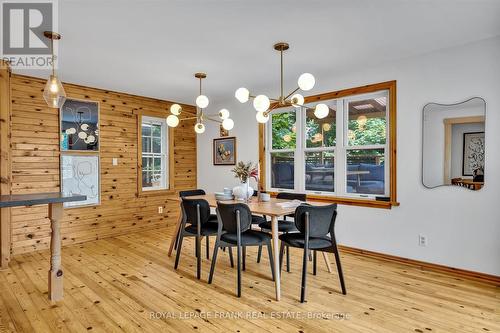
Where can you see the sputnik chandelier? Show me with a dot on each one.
(262, 103)
(202, 102)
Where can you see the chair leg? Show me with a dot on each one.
(339, 269)
(315, 262)
(231, 260)
(259, 254)
(208, 247)
(198, 257)
(288, 259)
(179, 248)
(238, 260)
(282, 251)
(304, 276)
(214, 259)
(271, 259)
(244, 257)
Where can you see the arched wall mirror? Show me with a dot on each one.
(454, 144)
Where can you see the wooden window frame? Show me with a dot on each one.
(170, 156)
(390, 86)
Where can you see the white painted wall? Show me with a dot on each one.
(462, 226)
(457, 146)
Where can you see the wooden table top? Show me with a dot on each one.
(270, 208)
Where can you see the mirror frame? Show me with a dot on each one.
(422, 139)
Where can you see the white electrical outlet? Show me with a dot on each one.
(160, 210)
(422, 240)
(115, 161)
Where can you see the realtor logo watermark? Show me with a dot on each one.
(23, 23)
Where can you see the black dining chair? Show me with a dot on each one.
(196, 223)
(213, 217)
(234, 230)
(284, 226)
(316, 232)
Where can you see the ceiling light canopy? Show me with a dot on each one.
(262, 103)
(202, 102)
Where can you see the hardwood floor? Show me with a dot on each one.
(128, 283)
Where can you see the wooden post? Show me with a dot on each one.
(55, 272)
(5, 161)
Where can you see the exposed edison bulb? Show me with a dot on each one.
(175, 109)
(321, 111)
(261, 117)
(327, 127)
(297, 100)
(306, 81)
(172, 120)
(199, 128)
(261, 103)
(287, 138)
(54, 88)
(223, 114)
(242, 94)
(202, 101)
(228, 124)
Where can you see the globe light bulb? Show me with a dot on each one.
(223, 114)
(228, 124)
(82, 135)
(202, 101)
(242, 95)
(297, 100)
(321, 111)
(306, 81)
(261, 103)
(261, 117)
(172, 120)
(84, 127)
(199, 128)
(175, 109)
(91, 138)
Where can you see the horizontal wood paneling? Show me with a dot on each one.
(35, 166)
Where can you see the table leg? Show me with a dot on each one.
(276, 251)
(176, 231)
(55, 272)
(327, 262)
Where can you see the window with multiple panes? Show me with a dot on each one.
(154, 139)
(344, 154)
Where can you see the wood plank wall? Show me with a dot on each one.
(35, 166)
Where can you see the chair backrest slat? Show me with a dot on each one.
(227, 213)
(190, 209)
(291, 196)
(190, 193)
(321, 219)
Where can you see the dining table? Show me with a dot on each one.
(273, 208)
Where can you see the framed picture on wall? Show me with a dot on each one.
(79, 125)
(80, 174)
(225, 151)
(473, 153)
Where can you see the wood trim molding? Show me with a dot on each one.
(170, 154)
(448, 123)
(5, 161)
(389, 86)
(482, 277)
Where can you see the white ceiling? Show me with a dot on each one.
(152, 48)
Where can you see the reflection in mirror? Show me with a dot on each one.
(453, 144)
